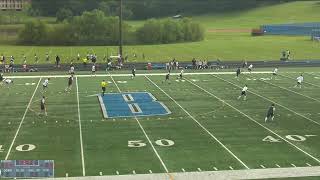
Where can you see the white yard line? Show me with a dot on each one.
(244, 114)
(303, 81)
(80, 131)
(290, 90)
(21, 122)
(146, 135)
(200, 125)
(263, 97)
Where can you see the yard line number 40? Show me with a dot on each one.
(160, 142)
(297, 138)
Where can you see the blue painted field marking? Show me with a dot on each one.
(116, 105)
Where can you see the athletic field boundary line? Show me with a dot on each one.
(253, 120)
(21, 122)
(80, 131)
(129, 75)
(268, 173)
(200, 125)
(146, 135)
(318, 123)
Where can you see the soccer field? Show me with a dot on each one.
(189, 125)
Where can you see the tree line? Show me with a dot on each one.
(95, 28)
(144, 9)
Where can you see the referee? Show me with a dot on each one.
(104, 84)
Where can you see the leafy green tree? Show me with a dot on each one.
(34, 32)
(63, 14)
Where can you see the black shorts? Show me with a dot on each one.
(103, 89)
(134, 74)
(243, 93)
(299, 83)
(69, 83)
(44, 86)
(43, 107)
(274, 74)
(249, 69)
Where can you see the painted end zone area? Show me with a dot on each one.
(135, 104)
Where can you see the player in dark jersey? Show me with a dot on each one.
(70, 82)
(270, 113)
(1, 78)
(238, 72)
(167, 78)
(43, 106)
(133, 71)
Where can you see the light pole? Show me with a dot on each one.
(120, 31)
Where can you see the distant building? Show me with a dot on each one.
(16, 5)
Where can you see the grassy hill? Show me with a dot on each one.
(223, 45)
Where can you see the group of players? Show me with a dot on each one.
(104, 84)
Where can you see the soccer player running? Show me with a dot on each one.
(270, 113)
(167, 78)
(70, 82)
(45, 85)
(238, 72)
(43, 109)
(133, 71)
(1, 78)
(93, 70)
(181, 74)
(250, 68)
(104, 84)
(244, 93)
(275, 72)
(299, 81)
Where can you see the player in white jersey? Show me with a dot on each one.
(93, 70)
(275, 72)
(45, 84)
(181, 74)
(71, 71)
(299, 81)
(244, 93)
(250, 68)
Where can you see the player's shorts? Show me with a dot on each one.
(134, 74)
(270, 115)
(299, 83)
(93, 71)
(274, 74)
(243, 93)
(45, 86)
(103, 89)
(42, 107)
(70, 83)
(249, 69)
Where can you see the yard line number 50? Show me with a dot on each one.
(140, 143)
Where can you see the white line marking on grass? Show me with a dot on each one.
(263, 97)
(293, 165)
(80, 131)
(308, 164)
(253, 120)
(303, 81)
(146, 135)
(183, 170)
(200, 125)
(278, 165)
(290, 90)
(231, 167)
(21, 122)
(310, 135)
(262, 166)
(216, 169)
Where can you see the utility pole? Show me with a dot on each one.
(120, 31)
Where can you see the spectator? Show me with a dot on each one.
(194, 65)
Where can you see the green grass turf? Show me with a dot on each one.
(105, 141)
(226, 46)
